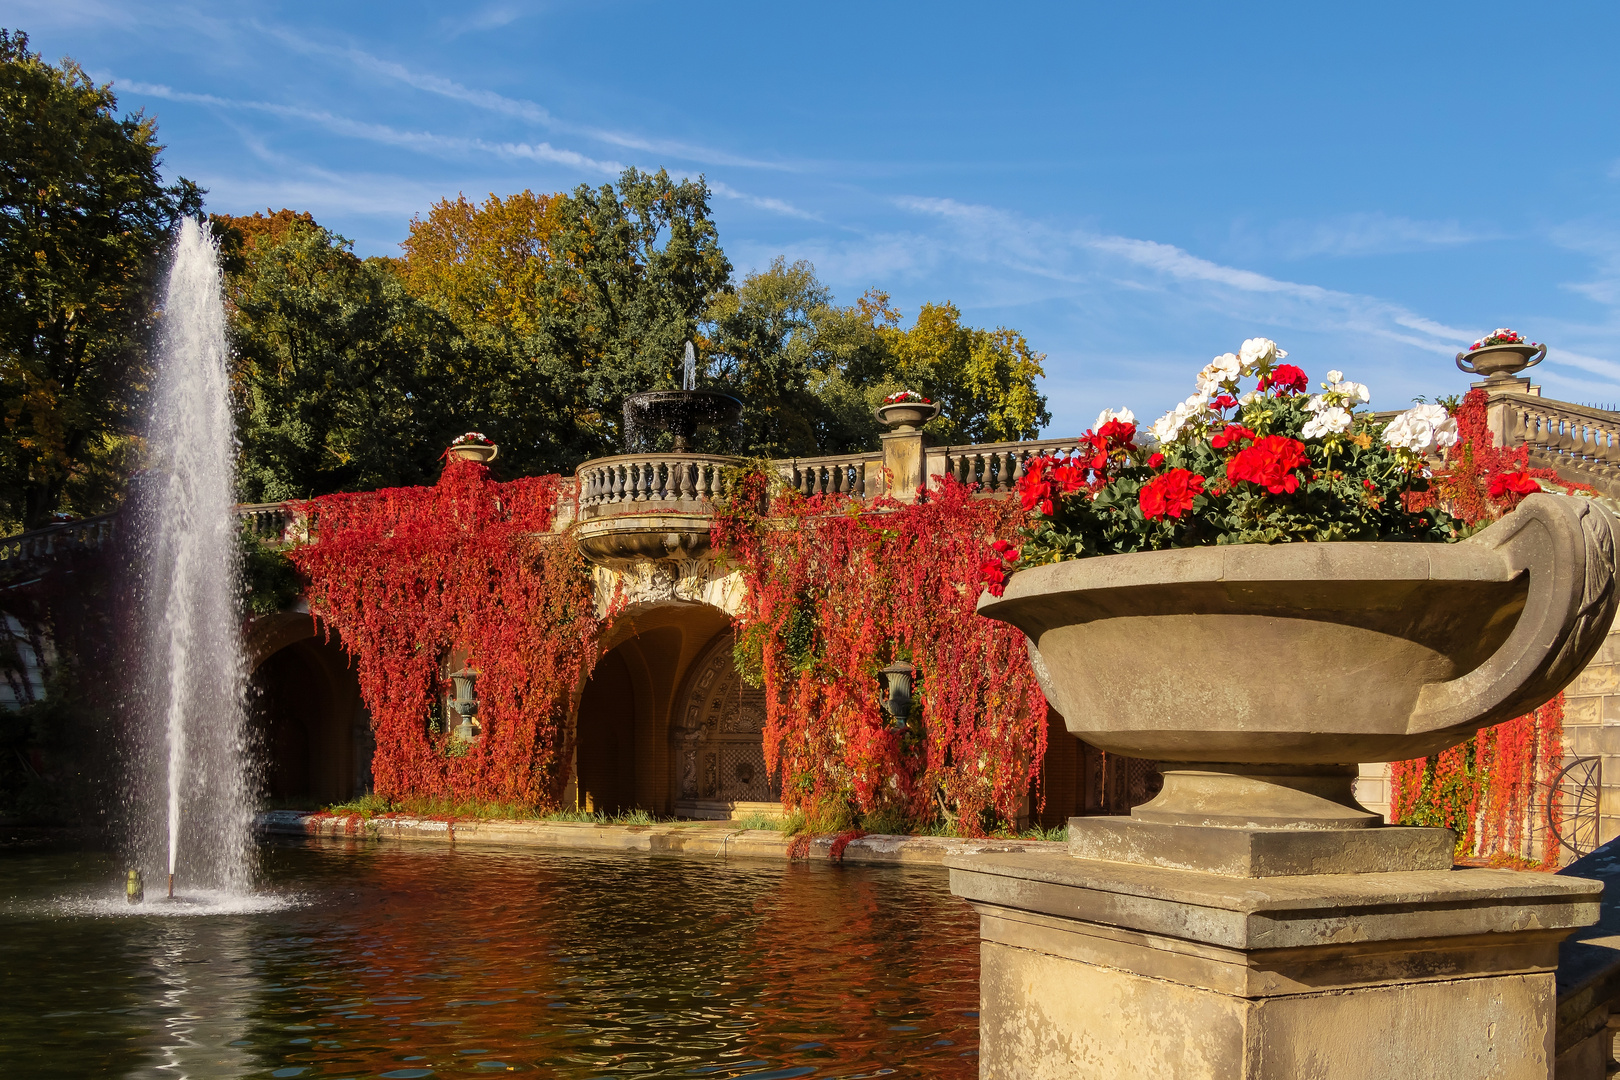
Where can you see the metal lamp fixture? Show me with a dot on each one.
(466, 702)
(897, 683)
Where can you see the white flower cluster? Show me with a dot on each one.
(1220, 375)
(1124, 416)
(1332, 411)
(1422, 429)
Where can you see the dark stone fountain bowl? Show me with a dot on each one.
(680, 412)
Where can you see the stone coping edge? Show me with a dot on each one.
(714, 839)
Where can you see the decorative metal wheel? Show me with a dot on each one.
(1576, 789)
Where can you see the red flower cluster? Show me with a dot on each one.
(1046, 477)
(995, 569)
(1504, 485)
(1117, 433)
(1231, 434)
(1285, 378)
(1169, 494)
(1270, 463)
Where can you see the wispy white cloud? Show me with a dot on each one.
(1363, 234)
(426, 142)
(775, 206)
(517, 108)
(1077, 254)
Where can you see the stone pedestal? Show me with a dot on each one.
(905, 461)
(1107, 969)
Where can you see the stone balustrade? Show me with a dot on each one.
(39, 544)
(679, 481)
(995, 467)
(859, 476)
(271, 523)
(1582, 441)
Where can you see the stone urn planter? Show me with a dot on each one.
(483, 453)
(1501, 361)
(906, 415)
(1259, 675)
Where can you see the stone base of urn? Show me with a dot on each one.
(1105, 969)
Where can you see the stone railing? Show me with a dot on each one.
(857, 475)
(39, 544)
(995, 467)
(676, 481)
(1581, 442)
(272, 523)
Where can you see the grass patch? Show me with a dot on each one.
(372, 805)
(757, 819)
(621, 817)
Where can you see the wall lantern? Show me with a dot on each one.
(466, 702)
(897, 684)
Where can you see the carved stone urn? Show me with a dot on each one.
(1501, 362)
(906, 415)
(483, 453)
(1260, 674)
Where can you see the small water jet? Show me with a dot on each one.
(192, 742)
(683, 413)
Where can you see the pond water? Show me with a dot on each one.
(395, 961)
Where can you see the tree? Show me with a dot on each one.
(578, 300)
(810, 372)
(84, 223)
(482, 266)
(343, 380)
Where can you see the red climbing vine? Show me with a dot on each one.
(838, 589)
(1491, 789)
(406, 575)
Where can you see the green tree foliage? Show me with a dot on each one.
(811, 372)
(84, 222)
(344, 381)
(580, 299)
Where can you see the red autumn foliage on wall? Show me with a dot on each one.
(406, 575)
(838, 589)
(1491, 789)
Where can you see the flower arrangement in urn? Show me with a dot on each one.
(472, 446)
(1271, 463)
(905, 410)
(1501, 354)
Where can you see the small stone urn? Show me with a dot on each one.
(1500, 363)
(483, 453)
(906, 415)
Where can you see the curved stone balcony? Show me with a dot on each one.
(648, 506)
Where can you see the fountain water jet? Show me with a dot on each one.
(193, 739)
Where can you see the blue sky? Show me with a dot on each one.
(1136, 187)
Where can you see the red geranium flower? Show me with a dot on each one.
(1230, 435)
(1270, 463)
(1285, 378)
(1223, 402)
(1155, 459)
(1117, 432)
(1169, 494)
(1513, 483)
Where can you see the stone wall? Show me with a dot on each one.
(1592, 726)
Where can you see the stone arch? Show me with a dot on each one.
(622, 714)
(306, 713)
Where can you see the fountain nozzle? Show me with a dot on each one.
(134, 888)
(171, 886)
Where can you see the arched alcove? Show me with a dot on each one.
(311, 729)
(717, 740)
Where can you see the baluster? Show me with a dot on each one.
(860, 479)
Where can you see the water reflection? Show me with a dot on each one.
(411, 962)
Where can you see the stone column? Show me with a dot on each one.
(1215, 952)
(905, 460)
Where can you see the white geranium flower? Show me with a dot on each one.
(1354, 391)
(1258, 351)
(1224, 369)
(1124, 416)
(1316, 403)
(1331, 421)
(1334, 377)
(1247, 398)
(1422, 429)
(1167, 428)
